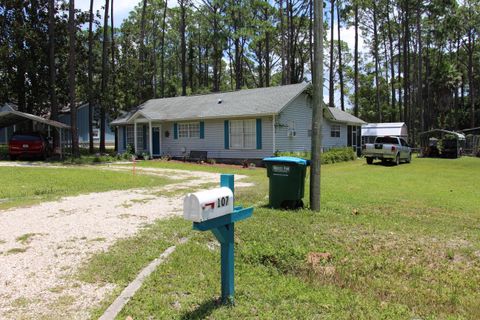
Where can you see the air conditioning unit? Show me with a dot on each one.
(291, 133)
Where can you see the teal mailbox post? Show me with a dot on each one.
(214, 210)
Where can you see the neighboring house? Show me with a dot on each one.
(82, 125)
(6, 133)
(246, 124)
(372, 130)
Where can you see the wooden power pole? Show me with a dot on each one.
(317, 116)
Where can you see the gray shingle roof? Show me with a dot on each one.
(343, 116)
(250, 102)
(260, 101)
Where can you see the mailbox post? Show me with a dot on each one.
(199, 207)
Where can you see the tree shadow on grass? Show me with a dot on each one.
(203, 310)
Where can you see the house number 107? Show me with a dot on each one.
(222, 202)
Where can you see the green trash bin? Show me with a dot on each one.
(287, 181)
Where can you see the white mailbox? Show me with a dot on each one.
(208, 204)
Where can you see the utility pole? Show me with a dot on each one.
(317, 109)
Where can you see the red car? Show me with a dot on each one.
(32, 145)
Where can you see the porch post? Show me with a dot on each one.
(150, 142)
(135, 137)
(160, 138)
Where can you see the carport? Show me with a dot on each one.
(440, 143)
(9, 117)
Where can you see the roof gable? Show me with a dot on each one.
(342, 116)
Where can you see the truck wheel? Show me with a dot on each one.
(369, 160)
(397, 159)
(13, 158)
(409, 158)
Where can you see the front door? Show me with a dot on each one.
(156, 141)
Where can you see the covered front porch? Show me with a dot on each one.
(141, 137)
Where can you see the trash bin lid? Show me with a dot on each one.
(287, 159)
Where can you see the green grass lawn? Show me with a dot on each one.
(26, 186)
(404, 243)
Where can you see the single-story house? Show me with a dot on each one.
(245, 124)
(82, 125)
(372, 130)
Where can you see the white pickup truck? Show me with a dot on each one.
(387, 149)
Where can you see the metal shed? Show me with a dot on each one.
(372, 130)
(9, 117)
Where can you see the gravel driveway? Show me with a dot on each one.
(42, 246)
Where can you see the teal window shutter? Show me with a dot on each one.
(124, 131)
(202, 130)
(259, 134)
(175, 131)
(144, 137)
(226, 134)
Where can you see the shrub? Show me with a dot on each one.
(331, 156)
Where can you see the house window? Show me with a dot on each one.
(189, 130)
(130, 135)
(335, 131)
(243, 134)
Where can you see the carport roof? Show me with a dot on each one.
(9, 117)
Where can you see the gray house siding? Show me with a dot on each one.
(329, 142)
(297, 116)
(213, 141)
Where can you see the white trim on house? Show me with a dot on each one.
(150, 138)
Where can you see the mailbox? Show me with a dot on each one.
(208, 204)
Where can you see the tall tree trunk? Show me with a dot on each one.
(52, 68)
(355, 58)
(419, 104)
(392, 63)
(91, 98)
(406, 65)
(400, 78)
(471, 80)
(282, 36)
(162, 57)
(340, 66)
(20, 86)
(331, 90)
(376, 57)
(154, 56)
(217, 51)
(104, 93)
(71, 75)
(114, 85)
(183, 46)
(267, 52)
(141, 78)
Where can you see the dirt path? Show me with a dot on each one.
(41, 247)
